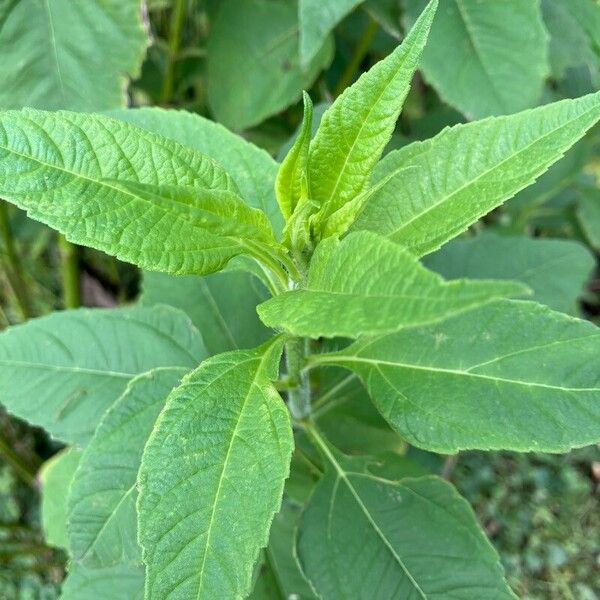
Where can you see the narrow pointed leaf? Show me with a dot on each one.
(64, 371)
(355, 130)
(366, 285)
(510, 375)
(293, 169)
(61, 168)
(220, 453)
(468, 170)
(102, 512)
(366, 537)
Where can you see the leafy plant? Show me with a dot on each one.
(191, 455)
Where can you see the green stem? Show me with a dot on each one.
(25, 471)
(13, 264)
(174, 43)
(299, 394)
(357, 57)
(70, 274)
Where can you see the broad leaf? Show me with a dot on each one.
(448, 182)
(366, 537)
(475, 58)
(510, 375)
(253, 49)
(121, 582)
(56, 476)
(63, 371)
(65, 54)
(252, 169)
(556, 270)
(359, 124)
(102, 516)
(366, 285)
(222, 306)
(317, 19)
(220, 453)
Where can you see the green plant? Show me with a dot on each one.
(177, 472)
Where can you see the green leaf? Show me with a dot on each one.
(61, 168)
(510, 375)
(63, 371)
(317, 19)
(56, 476)
(220, 453)
(359, 124)
(222, 306)
(253, 49)
(464, 172)
(121, 582)
(293, 169)
(588, 213)
(381, 288)
(252, 169)
(212, 227)
(365, 537)
(475, 58)
(102, 516)
(556, 270)
(65, 54)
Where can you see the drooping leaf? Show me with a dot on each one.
(556, 270)
(121, 582)
(252, 169)
(588, 213)
(366, 537)
(56, 476)
(366, 285)
(222, 306)
(510, 375)
(453, 179)
(357, 127)
(293, 169)
(63, 371)
(220, 453)
(253, 49)
(317, 18)
(475, 56)
(63, 54)
(61, 168)
(102, 516)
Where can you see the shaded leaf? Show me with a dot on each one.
(121, 582)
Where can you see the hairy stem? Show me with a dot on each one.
(71, 280)
(174, 43)
(362, 47)
(13, 265)
(299, 393)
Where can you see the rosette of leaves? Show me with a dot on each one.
(183, 453)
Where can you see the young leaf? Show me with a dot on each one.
(365, 285)
(355, 130)
(293, 169)
(56, 476)
(484, 73)
(63, 371)
(222, 306)
(121, 582)
(61, 168)
(365, 537)
(219, 453)
(510, 375)
(65, 54)
(317, 19)
(252, 169)
(102, 517)
(465, 171)
(556, 270)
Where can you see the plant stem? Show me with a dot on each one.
(70, 274)
(448, 467)
(174, 43)
(299, 394)
(13, 264)
(357, 57)
(25, 471)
